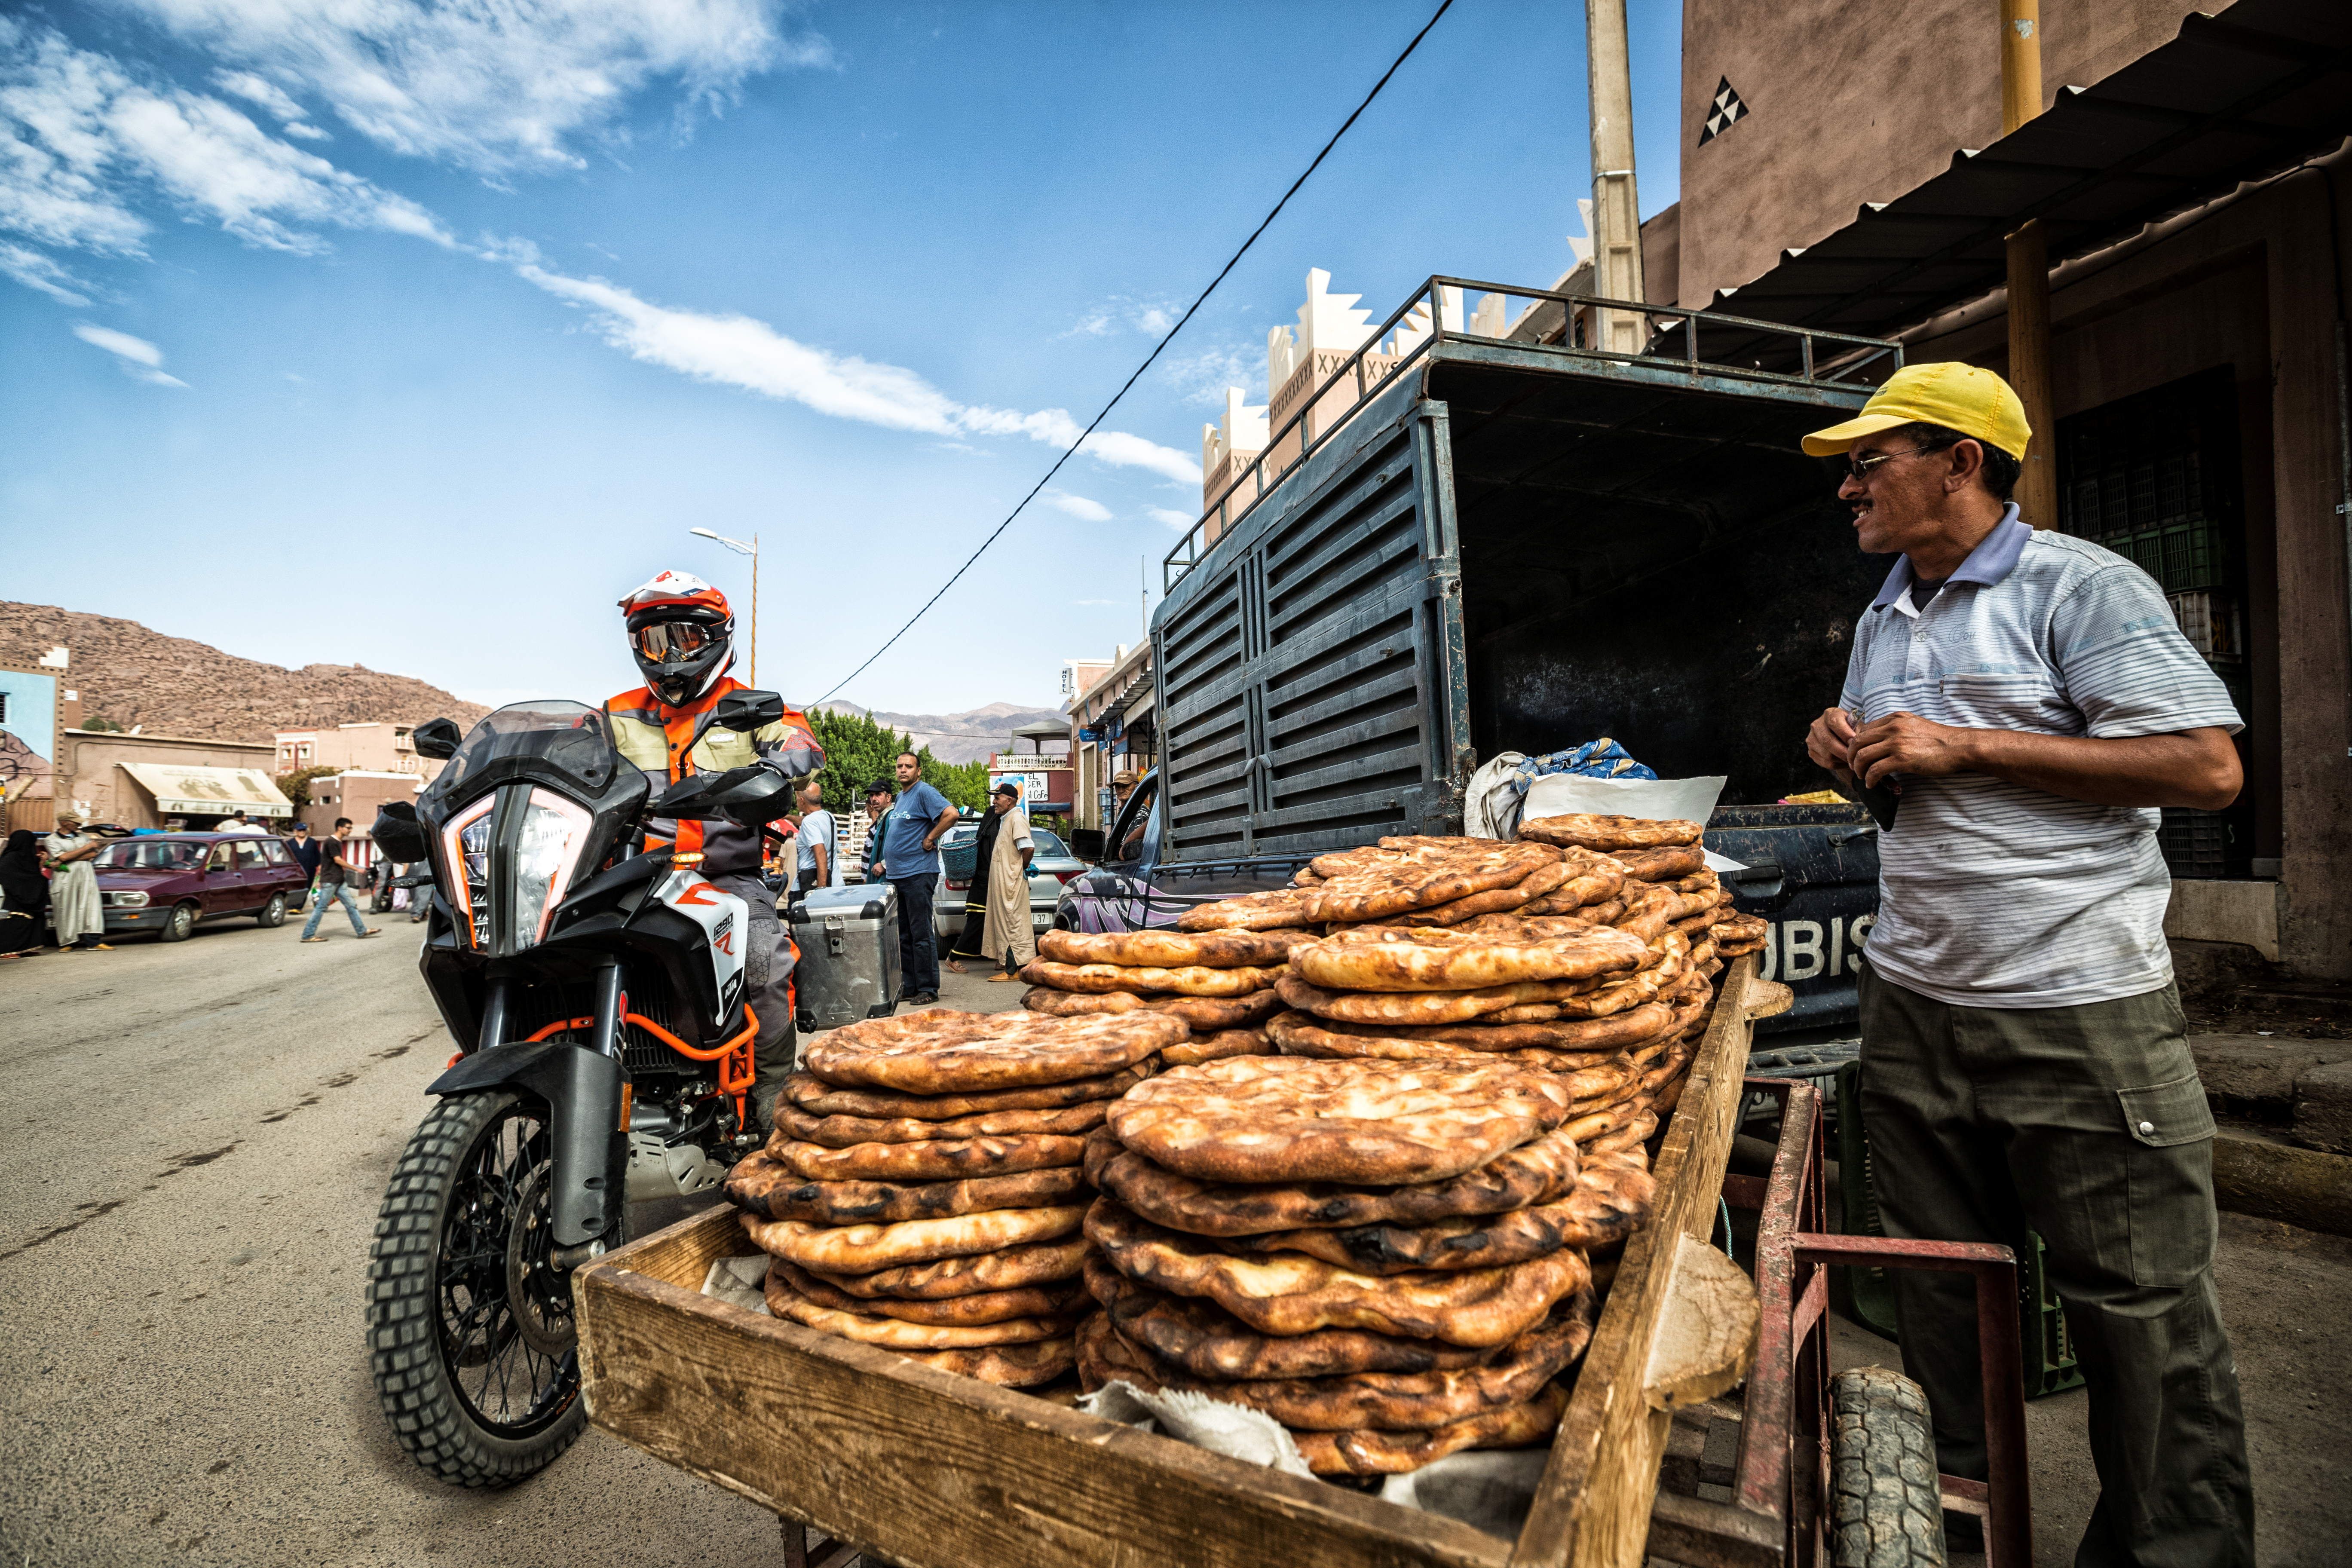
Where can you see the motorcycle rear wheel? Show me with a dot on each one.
(472, 1339)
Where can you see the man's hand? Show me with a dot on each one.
(1829, 739)
(1907, 743)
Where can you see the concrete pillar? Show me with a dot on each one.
(2028, 274)
(1616, 205)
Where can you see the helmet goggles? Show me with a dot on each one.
(673, 642)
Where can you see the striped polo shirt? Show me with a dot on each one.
(1994, 894)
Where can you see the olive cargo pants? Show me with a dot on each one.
(2087, 1124)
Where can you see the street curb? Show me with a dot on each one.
(2278, 1181)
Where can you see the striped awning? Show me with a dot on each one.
(187, 791)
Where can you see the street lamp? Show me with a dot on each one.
(751, 549)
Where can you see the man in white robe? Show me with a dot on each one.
(1009, 939)
(74, 907)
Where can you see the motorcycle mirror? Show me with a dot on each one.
(436, 738)
(758, 800)
(744, 711)
(398, 835)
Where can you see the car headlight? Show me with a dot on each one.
(127, 900)
(553, 830)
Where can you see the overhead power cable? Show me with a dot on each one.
(1443, 7)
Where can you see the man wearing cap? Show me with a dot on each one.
(75, 916)
(2031, 700)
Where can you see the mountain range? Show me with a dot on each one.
(970, 736)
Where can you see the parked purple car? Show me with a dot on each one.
(1131, 888)
(168, 882)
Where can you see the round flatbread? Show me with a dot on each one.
(1668, 865)
(1204, 1014)
(1533, 1173)
(1453, 960)
(1016, 1268)
(895, 1333)
(1007, 1366)
(1194, 980)
(763, 1186)
(1269, 910)
(848, 1132)
(1066, 1300)
(818, 1098)
(1608, 834)
(1217, 1048)
(1208, 1342)
(1373, 1453)
(1598, 1037)
(960, 1053)
(1425, 881)
(1080, 1004)
(1378, 1400)
(865, 1248)
(1634, 990)
(1284, 1118)
(937, 1160)
(1541, 882)
(1162, 949)
(1626, 1140)
(1289, 1293)
(1423, 1008)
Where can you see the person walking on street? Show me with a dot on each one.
(911, 858)
(24, 895)
(818, 864)
(305, 850)
(335, 882)
(2024, 1059)
(1008, 935)
(878, 811)
(75, 910)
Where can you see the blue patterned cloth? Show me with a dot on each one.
(1600, 759)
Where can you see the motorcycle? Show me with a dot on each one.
(595, 992)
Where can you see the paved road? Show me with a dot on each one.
(202, 1132)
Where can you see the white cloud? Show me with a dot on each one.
(78, 134)
(140, 360)
(1172, 517)
(35, 271)
(260, 89)
(495, 86)
(1076, 505)
(742, 351)
(1201, 377)
(1149, 317)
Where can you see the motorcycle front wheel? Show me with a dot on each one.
(472, 1339)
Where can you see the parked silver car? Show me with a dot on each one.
(1051, 866)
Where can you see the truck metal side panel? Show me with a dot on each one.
(1311, 675)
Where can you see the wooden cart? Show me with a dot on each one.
(920, 1467)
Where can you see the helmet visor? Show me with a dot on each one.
(673, 642)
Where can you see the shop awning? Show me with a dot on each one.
(2236, 97)
(184, 791)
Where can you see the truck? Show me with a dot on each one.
(1507, 541)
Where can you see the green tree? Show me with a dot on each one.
(296, 786)
(857, 750)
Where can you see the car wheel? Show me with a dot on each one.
(273, 913)
(181, 926)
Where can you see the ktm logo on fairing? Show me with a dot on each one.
(689, 896)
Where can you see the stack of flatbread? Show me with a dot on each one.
(1583, 948)
(1221, 983)
(923, 1189)
(1389, 1258)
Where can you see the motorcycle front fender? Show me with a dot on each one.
(591, 1150)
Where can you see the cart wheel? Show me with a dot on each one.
(1886, 1511)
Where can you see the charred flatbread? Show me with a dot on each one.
(1456, 960)
(1533, 1173)
(763, 1186)
(1608, 834)
(1374, 1453)
(1015, 1267)
(1422, 883)
(1217, 1046)
(1541, 882)
(1206, 1340)
(939, 1159)
(1627, 1139)
(1269, 910)
(865, 1248)
(1423, 1008)
(1597, 1035)
(1284, 1118)
(1194, 980)
(1170, 949)
(1008, 1366)
(1668, 864)
(818, 1098)
(1488, 1241)
(1064, 1300)
(960, 1053)
(896, 1333)
(1290, 1293)
(849, 1131)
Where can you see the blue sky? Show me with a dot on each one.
(412, 335)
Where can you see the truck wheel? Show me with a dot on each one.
(1885, 1508)
(271, 914)
(180, 925)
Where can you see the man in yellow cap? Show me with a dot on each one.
(2025, 702)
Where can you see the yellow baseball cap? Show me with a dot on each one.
(1962, 397)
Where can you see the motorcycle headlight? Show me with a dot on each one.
(466, 850)
(546, 855)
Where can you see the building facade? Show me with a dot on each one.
(369, 747)
(156, 780)
(1114, 726)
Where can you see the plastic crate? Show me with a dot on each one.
(2195, 844)
(1867, 1295)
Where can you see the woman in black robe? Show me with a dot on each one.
(975, 899)
(24, 895)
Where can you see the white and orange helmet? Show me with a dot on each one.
(682, 634)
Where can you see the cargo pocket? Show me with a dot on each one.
(2170, 1171)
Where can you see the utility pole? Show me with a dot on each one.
(1616, 208)
(2029, 273)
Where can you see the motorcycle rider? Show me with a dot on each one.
(682, 633)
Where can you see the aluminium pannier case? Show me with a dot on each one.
(848, 939)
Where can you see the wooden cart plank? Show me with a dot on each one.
(937, 1471)
(1592, 1507)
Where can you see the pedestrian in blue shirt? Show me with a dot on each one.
(910, 859)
